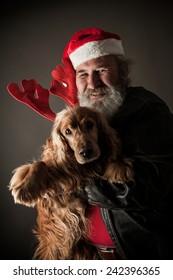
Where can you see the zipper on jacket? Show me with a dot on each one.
(108, 223)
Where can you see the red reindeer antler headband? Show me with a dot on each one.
(37, 98)
(84, 45)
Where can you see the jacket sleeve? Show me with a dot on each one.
(146, 128)
(111, 196)
(147, 132)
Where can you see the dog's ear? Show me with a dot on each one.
(55, 148)
(108, 137)
(59, 144)
(49, 150)
(63, 144)
(62, 137)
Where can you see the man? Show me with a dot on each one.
(134, 220)
(131, 221)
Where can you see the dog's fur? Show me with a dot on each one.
(82, 147)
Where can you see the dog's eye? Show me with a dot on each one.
(89, 124)
(68, 131)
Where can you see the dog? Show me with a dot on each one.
(82, 147)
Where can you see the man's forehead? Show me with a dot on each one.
(103, 61)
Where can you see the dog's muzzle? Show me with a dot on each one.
(87, 153)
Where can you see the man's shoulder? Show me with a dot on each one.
(139, 98)
(141, 103)
(142, 95)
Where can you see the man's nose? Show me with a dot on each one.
(93, 81)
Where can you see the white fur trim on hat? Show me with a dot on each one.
(96, 49)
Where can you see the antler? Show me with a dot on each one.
(64, 83)
(33, 95)
(36, 97)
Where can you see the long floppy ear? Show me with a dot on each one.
(53, 143)
(49, 151)
(57, 147)
(108, 137)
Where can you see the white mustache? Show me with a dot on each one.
(99, 90)
(108, 105)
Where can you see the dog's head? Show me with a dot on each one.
(85, 133)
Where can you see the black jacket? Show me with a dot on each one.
(142, 228)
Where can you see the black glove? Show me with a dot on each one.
(111, 196)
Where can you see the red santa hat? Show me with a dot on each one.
(92, 43)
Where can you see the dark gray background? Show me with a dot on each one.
(33, 36)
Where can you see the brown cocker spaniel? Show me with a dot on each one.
(81, 148)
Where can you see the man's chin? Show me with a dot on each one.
(99, 104)
(92, 103)
(108, 104)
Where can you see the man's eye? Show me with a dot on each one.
(101, 71)
(68, 131)
(82, 75)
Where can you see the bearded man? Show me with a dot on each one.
(133, 220)
(130, 221)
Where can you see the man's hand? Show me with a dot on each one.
(107, 195)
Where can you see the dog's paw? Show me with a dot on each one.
(28, 183)
(119, 172)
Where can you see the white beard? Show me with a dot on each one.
(108, 105)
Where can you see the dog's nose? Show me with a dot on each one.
(85, 152)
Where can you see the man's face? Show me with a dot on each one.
(98, 84)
